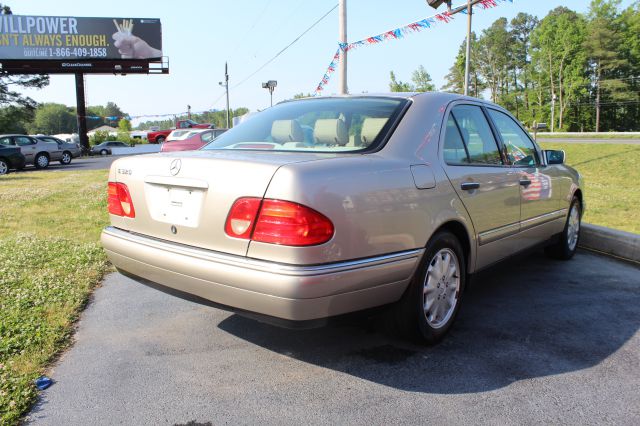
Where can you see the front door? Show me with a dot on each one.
(488, 187)
(539, 185)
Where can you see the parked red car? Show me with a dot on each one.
(160, 136)
(195, 141)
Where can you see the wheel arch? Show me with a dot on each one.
(460, 231)
(578, 193)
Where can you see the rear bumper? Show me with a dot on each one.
(287, 292)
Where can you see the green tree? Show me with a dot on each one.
(15, 119)
(398, 86)
(124, 125)
(422, 80)
(52, 118)
(603, 44)
(454, 81)
(559, 58)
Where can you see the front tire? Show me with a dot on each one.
(103, 152)
(431, 303)
(66, 158)
(41, 161)
(160, 139)
(567, 245)
(4, 167)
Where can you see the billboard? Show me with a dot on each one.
(70, 44)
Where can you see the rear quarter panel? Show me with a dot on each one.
(371, 199)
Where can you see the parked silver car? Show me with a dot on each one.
(69, 150)
(324, 206)
(36, 152)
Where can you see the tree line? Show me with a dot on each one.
(218, 118)
(575, 72)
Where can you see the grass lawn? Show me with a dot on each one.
(50, 260)
(603, 135)
(610, 175)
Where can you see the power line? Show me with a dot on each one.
(247, 32)
(286, 47)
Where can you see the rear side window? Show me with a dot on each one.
(6, 141)
(520, 149)
(455, 152)
(23, 140)
(475, 132)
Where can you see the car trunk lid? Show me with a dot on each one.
(186, 197)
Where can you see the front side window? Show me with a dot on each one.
(478, 143)
(520, 149)
(316, 125)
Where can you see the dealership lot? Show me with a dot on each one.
(537, 341)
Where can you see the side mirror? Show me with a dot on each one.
(554, 156)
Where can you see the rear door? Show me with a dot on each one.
(487, 186)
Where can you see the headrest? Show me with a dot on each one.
(330, 131)
(370, 129)
(283, 131)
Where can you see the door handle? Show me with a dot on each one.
(525, 182)
(468, 186)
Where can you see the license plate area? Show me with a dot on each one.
(175, 205)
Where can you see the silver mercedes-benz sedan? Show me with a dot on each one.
(320, 207)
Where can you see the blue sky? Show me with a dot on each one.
(199, 36)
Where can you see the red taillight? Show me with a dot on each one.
(278, 222)
(119, 200)
(241, 217)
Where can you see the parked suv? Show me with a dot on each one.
(69, 150)
(36, 152)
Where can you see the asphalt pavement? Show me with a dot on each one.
(82, 163)
(537, 342)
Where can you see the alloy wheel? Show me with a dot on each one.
(441, 288)
(573, 228)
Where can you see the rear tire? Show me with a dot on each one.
(66, 158)
(41, 161)
(4, 167)
(431, 303)
(567, 245)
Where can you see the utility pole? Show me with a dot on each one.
(342, 66)
(469, 8)
(189, 112)
(467, 62)
(226, 88)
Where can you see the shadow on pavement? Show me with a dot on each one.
(527, 318)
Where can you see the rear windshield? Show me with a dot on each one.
(316, 125)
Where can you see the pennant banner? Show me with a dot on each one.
(396, 34)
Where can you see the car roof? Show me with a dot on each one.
(14, 134)
(443, 97)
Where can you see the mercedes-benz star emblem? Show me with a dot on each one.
(174, 168)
